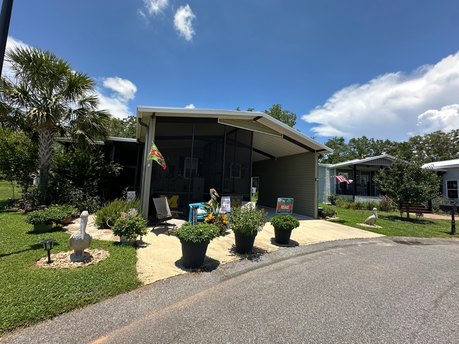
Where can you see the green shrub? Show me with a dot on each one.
(54, 214)
(37, 217)
(343, 203)
(66, 210)
(82, 177)
(108, 214)
(332, 199)
(247, 220)
(201, 232)
(327, 212)
(130, 225)
(284, 222)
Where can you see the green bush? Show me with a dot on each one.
(66, 209)
(201, 232)
(82, 177)
(343, 203)
(284, 222)
(327, 212)
(332, 199)
(130, 225)
(54, 214)
(247, 220)
(108, 214)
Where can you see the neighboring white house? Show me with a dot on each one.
(352, 179)
(449, 172)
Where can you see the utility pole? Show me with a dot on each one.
(7, 6)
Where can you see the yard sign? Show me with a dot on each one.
(225, 204)
(284, 205)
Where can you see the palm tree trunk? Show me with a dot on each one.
(45, 149)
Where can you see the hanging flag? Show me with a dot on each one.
(341, 179)
(156, 155)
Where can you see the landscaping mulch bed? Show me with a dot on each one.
(61, 260)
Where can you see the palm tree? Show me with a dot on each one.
(45, 98)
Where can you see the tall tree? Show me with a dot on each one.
(284, 116)
(125, 127)
(51, 99)
(408, 183)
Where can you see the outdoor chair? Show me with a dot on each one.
(163, 212)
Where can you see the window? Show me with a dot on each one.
(451, 187)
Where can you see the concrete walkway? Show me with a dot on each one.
(159, 255)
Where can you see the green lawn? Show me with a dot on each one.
(30, 294)
(393, 225)
(6, 191)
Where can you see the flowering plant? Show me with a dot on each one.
(130, 224)
(221, 220)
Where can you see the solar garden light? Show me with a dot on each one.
(453, 222)
(48, 245)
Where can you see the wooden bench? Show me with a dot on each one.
(418, 209)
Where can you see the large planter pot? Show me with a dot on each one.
(244, 243)
(282, 236)
(193, 254)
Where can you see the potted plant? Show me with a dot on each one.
(66, 213)
(130, 225)
(42, 220)
(283, 226)
(194, 240)
(246, 223)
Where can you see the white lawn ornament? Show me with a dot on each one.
(80, 240)
(371, 220)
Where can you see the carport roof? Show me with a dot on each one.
(363, 161)
(272, 138)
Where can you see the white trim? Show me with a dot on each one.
(442, 165)
(263, 118)
(364, 160)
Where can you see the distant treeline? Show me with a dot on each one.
(436, 146)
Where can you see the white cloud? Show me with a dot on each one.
(447, 118)
(393, 105)
(117, 102)
(183, 22)
(11, 43)
(154, 7)
(190, 106)
(123, 88)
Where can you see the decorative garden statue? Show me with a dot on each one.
(371, 220)
(213, 202)
(81, 240)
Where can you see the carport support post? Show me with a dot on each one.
(147, 168)
(453, 221)
(354, 183)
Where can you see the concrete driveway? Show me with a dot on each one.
(160, 257)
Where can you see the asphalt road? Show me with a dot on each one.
(354, 291)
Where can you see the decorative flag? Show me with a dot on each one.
(341, 179)
(156, 155)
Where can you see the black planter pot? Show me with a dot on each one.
(193, 254)
(244, 243)
(282, 237)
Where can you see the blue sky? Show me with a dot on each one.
(384, 69)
